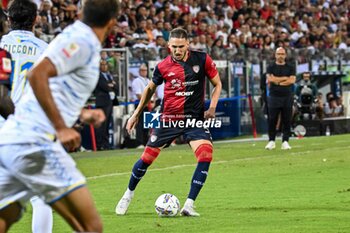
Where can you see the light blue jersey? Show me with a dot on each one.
(25, 49)
(76, 55)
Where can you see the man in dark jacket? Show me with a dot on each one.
(105, 93)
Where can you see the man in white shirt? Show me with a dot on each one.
(33, 157)
(138, 86)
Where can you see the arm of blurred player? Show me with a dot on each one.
(38, 77)
(6, 106)
(210, 113)
(92, 116)
(145, 98)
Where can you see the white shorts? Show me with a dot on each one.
(45, 170)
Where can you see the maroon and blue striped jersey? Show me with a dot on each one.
(184, 89)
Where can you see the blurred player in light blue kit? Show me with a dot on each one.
(33, 157)
(25, 49)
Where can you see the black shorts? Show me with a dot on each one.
(163, 137)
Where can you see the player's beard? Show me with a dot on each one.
(181, 56)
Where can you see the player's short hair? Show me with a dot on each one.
(97, 13)
(22, 14)
(178, 33)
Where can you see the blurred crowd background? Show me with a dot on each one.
(240, 35)
(227, 29)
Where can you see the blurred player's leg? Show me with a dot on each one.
(9, 215)
(42, 216)
(138, 171)
(78, 209)
(203, 150)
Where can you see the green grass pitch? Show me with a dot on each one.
(249, 189)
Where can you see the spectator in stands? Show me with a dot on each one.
(217, 50)
(319, 106)
(132, 21)
(166, 30)
(46, 28)
(114, 64)
(233, 42)
(105, 93)
(141, 13)
(224, 32)
(265, 12)
(194, 42)
(297, 34)
(45, 9)
(138, 86)
(149, 30)
(156, 46)
(140, 42)
(160, 13)
(141, 29)
(332, 109)
(70, 13)
(157, 31)
(340, 104)
(158, 3)
(55, 20)
(203, 45)
(268, 44)
(294, 25)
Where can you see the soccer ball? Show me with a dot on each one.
(167, 205)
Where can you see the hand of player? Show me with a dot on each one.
(92, 116)
(69, 138)
(131, 123)
(210, 113)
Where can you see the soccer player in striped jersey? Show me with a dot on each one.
(33, 159)
(183, 73)
(25, 49)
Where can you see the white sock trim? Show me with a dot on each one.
(129, 193)
(189, 202)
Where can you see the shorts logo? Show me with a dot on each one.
(195, 68)
(151, 120)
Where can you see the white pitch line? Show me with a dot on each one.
(173, 167)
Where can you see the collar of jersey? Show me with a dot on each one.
(87, 28)
(21, 32)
